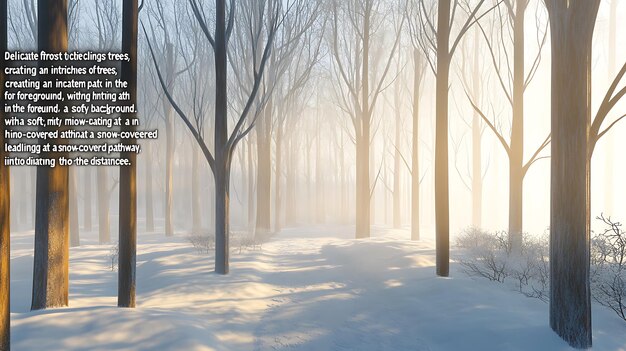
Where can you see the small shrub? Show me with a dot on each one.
(203, 243)
(114, 254)
(608, 267)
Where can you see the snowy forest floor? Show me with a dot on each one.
(307, 289)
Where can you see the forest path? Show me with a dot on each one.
(311, 289)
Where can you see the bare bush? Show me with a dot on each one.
(608, 267)
(114, 254)
(486, 254)
(203, 243)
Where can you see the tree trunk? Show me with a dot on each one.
(290, 185)
(397, 216)
(195, 192)
(128, 174)
(516, 156)
(570, 298)
(5, 204)
(222, 153)
(169, 142)
(104, 231)
(264, 171)
(477, 168)
(442, 205)
(74, 228)
(415, 169)
(51, 269)
(251, 219)
(363, 196)
(278, 196)
(87, 211)
(319, 180)
(149, 190)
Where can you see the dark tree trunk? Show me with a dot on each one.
(87, 211)
(5, 203)
(571, 29)
(74, 228)
(415, 169)
(442, 201)
(50, 269)
(104, 230)
(222, 153)
(128, 174)
(149, 191)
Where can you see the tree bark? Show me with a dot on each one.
(195, 192)
(264, 171)
(442, 202)
(277, 189)
(149, 190)
(87, 211)
(104, 230)
(51, 269)
(415, 169)
(169, 142)
(397, 215)
(516, 174)
(477, 177)
(74, 228)
(128, 174)
(5, 205)
(571, 27)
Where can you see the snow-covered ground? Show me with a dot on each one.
(307, 289)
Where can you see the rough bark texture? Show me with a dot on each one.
(50, 269)
(128, 174)
(5, 203)
(571, 28)
(442, 203)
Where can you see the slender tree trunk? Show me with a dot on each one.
(442, 201)
(516, 176)
(87, 211)
(170, 143)
(363, 196)
(415, 169)
(104, 230)
(609, 188)
(278, 196)
(290, 185)
(319, 188)
(570, 297)
(51, 269)
(477, 177)
(149, 190)
(74, 228)
(264, 171)
(344, 181)
(5, 204)
(251, 219)
(128, 174)
(195, 193)
(222, 154)
(397, 215)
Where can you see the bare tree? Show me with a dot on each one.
(574, 137)
(513, 80)
(363, 73)
(270, 13)
(437, 41)
(51, 266)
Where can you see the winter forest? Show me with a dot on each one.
(329, 175)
